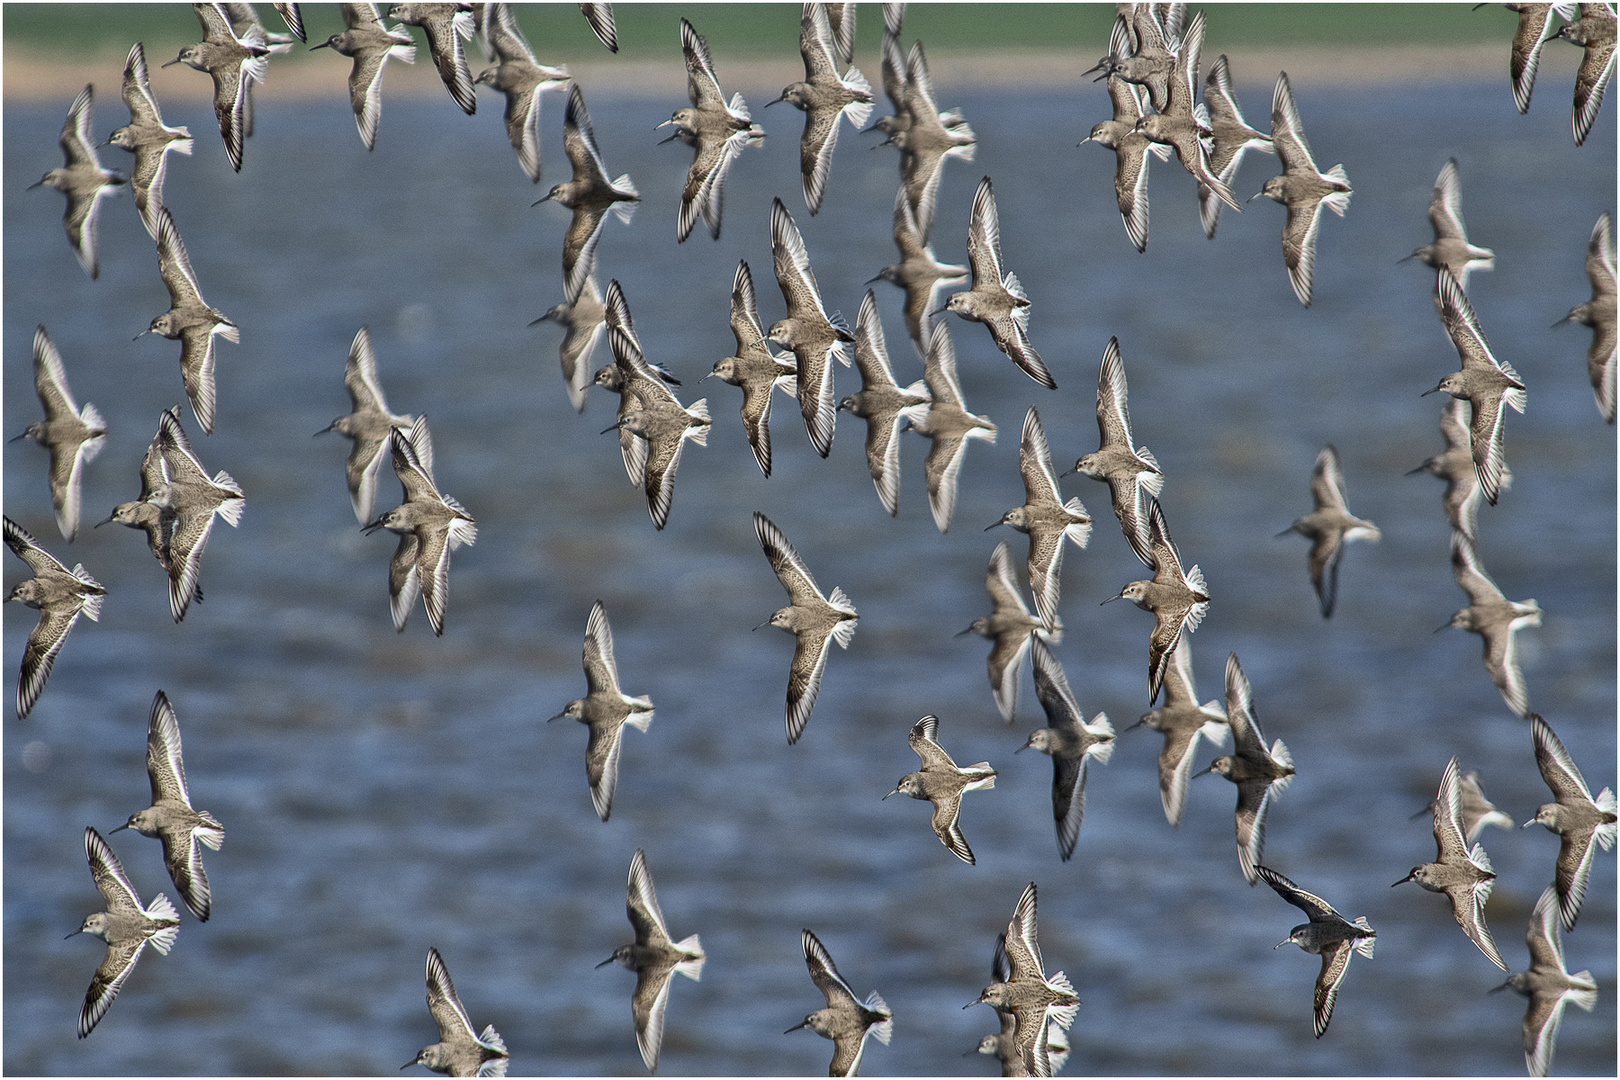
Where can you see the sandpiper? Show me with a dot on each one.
(1484, 380)
(918, 272)
(1231, 137)
(812, 619)
(846, 1020)
(1130, 148)
(590, 194)
(1477, 810)
(458, 1052)
(1302, 188)
(1004, 1045)
(232, 62)
(716, 131)
(1011, 627)
(1594, 31)
(825, 97)
(1464, 875)
(996, 299)
(1548, 984)
(625, 378)
(1182, 720)
(1131, 472)
(244, 16)
(1574, 815)
(371, 45)
(1451, 248)
(948, 425)
(189, 319)
(1046, 519)
(170, 818)
(582, 317)
(658, 418)
(1599, 314)
(926, 140)
(1259, 773)
(1329, 527)
(127, 926)
(1534, 22)
(1069, 741)
(195, 499)
(430, 525)
(1456, 468)
(148, 138)
(1496, 619)
(600, 16)
(522, 79)
(942, 782)
(654, 957)
(1139, 52)
(882, 404)
(755, 367)
(1177, 598)
(605, 709)
(1035, 998)
(73, 436)
(369, 425)
(445, 25)
(814, 336)
(151, 512)
(1329, 935)
(61, 596)
(1181, 124)
(83, 181)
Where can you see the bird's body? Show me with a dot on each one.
(942, 782)
(1182, 721)
(148, 138)
(1130, 148)
(882, 404)
(717, 131)
(996, 298)
(60, 596)
(1070, 742)
(1548, 984)
(655, 959)
(814, 336)
(1302, 188)
(522, 78)
(605, 709)
(1032, 996)
(1329, 527)
(583, 318)
(1599, 314)
(755, 367)
(1259, 772)
(1131, 472)
(825, 97)
(1177, 598)
(846, 1020)
(73, 436)
(195, 499)
(590, 194)
(814, 620)
(1579, 820)
(445, 26)
(1045, 517)
(1594, 32)
(1456, 468)
(918, 272)
(1329, 935)
(1011, 628)
(190, 320)
(1230, 137)
(127, 926)
(233, 62)
(947, 425)
(371, 45)
(458, 1052)
(369, 425)
(1496, 619)
(1181, 124)
(1451, 248)
(83, 181)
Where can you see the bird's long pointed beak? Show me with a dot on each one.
(767, 105)
(993, 524)
(120, 828)
(803, 1023)
(1284, 533)
(1426, 393)
(1280, 944)
(19, 438)
(1133, 727)
(1414, 472)
(1405, 879)
(371, 528)
(963, 633)
(1253, 197)
(312, 48)
(1527, 824)
(103, 521)
(1509, 983)
(171, 63)
(1111, 599)
(611, 427)
(1442, 626)
(544, 198)
(142, 334)
(605, 963)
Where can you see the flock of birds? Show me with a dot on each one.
(1152, 70)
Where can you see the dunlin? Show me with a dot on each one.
(812, 619)
(997, 299)
(605, 709)
(148, 138)
(522, 79)
(918, 272)
(599, 15)
(716, 131)
(1496, 619)
(1485, 381)
(191, 320)
(1139, 52)
(624, 377)
(151, 512)
(73, 436)
(1534, 22)
(1329, 527)
(1302, 188)
(942, 782)
(1548, 984)
(170, 818)
(1182, 720)
(655, 959)
(1230, 136)
(927, 140)
(882, 404)
(445, 25)
(1045, 517)
(83, 181)
(582, 317)
(1177, 598)
(61, 596)
(590, 194)
(1577, 818)
(1130, 471)
(371, 45)
(1011, 627)
(1069, 741)
(1456, 468)
(1463, 874)
(127, 926)
(1594, 31)
(1181, 124)
(658, 418)
(1599, 314)
(195, 499)
(1130, 148)
(846, 1020)
(1451, 248)
(1329, 935)
(430, 525)
(814, 336)
(1034, 997)
(369, 425)
(232, 62)
(1259, 773)
(458, 1052)
(1004, 1045)
(948, 425)
(825, 96)
(755, 367)
(1477, 810)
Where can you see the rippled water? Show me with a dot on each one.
(384, 793)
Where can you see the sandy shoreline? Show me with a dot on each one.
(31, 77)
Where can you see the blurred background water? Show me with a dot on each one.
(384, 793)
